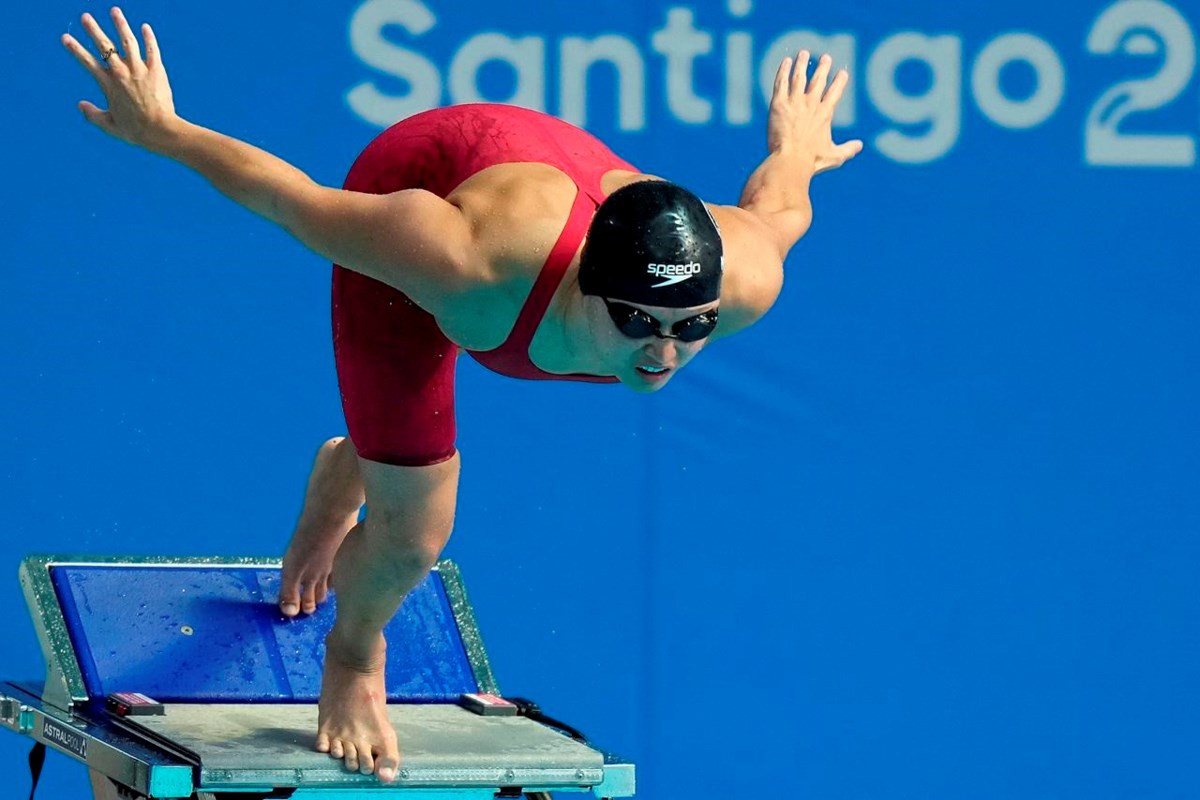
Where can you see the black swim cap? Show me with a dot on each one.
(653, 243)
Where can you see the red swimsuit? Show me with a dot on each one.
(395, 366)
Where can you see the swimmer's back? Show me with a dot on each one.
(395, 362)
(438, 150)
(516, 174)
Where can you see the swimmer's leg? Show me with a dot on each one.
(410, 512)
(331, 507)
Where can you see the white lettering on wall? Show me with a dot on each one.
(578, 55)
(916, 128)
(938, 110)
(368, 42)
(1119, 28)
(680, 42)
(1050, 83)
(526, 56)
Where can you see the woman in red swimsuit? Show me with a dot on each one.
(495, 230)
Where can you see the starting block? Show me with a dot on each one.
(179, 678)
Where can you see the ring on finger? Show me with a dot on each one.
(108, 53)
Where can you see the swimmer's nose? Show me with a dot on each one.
(662, 351)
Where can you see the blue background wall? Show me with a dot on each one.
(929, 530)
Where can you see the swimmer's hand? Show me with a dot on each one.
(140, 108)
(800, 115)
(800, 141)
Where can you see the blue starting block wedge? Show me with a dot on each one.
(179, 678)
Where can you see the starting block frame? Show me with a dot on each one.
(449, 752)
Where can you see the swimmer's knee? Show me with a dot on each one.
(396, 543)
(329, 445)
(339, 454)
(416, 561)
(406, 561)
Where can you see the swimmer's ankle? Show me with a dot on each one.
(366, 654)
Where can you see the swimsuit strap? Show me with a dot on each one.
(552, 273)
(590, 184)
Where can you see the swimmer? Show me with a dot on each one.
(489, 229)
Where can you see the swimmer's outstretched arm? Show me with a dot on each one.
(362, 232)
(800, 144)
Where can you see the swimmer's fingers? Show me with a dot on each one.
(820, 79)
(90, 111)
(850, 149)
(108, 51)
(847, 150)
(97, 116)
(129, 42)
(799, 75)
(780, 90)
(153, 54)
(834, 94)
(140, 105)
(784, 100)
(89, 62)
(839, 155)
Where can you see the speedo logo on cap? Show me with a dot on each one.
(674, 273)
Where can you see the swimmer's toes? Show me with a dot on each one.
(308, 600)
(289, 593)
(322, 745)
(323, 589)
(351, 758)
(336, 749)
(366, 762)
(385, 766)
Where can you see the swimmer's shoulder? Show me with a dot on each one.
(753, 275)
(516, 213)
(522, 207)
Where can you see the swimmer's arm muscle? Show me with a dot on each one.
(753, 269)
(412, 240)
(777, 195)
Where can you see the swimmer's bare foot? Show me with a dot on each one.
(352, 722)
(331, 505)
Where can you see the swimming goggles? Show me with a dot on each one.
(637, 324)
